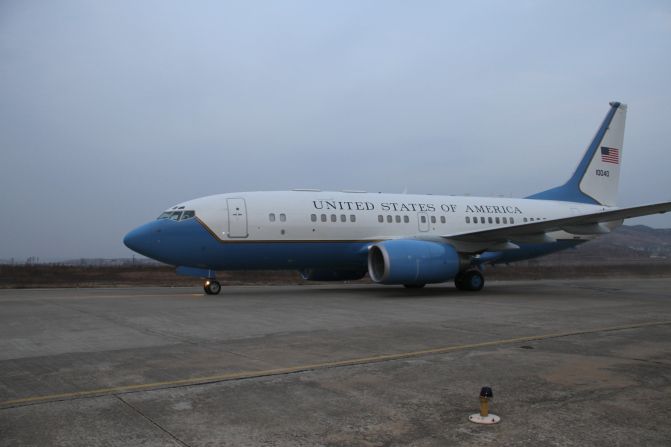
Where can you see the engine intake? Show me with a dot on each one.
(406, 261)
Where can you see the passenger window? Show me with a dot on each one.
(380, 218)
(333, 218)
(389, 219)
(490, 220)
(313, 217)
(271, 217)
(498, 221)
(423, 219)
(406, 219)
(468, 219)
(433, 219)
(323, 217)
(398, 219)
(343, 218)
(176, 215)
(482, 220)
(525, 219)
(442, 219)
(512, 221)
(352, 218)
(283, 217)
(531, 219)
(188, 215)
(505, 220)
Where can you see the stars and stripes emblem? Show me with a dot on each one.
(610, 155)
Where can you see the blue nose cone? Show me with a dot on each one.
(139, 240)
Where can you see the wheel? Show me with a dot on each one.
(471, 280)
(212, 287)
(413, 286)
(474, 280)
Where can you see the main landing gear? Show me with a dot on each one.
(212, 287)
(471, 280)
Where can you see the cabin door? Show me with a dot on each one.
(237, 218)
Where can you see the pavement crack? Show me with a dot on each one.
(151, 421)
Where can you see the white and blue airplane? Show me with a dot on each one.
(405, 239)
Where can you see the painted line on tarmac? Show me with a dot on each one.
(178, 383)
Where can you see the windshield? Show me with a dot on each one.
(177, 215)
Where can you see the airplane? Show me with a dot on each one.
(397, 239)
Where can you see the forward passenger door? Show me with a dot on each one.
(237, 218)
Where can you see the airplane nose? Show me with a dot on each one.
(138, 239)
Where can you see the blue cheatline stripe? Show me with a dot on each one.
(570, 191)
(190, 245)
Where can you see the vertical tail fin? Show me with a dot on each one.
(597, 176)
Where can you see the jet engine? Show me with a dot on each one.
(412, 262)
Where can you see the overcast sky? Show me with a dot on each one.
(111, 111)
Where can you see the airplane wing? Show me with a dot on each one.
(501, 238)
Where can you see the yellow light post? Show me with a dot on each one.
(485, 417)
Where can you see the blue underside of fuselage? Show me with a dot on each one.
(188, 243)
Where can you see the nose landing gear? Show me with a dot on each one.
(212, 287)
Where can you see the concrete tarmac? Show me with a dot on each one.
(571, 363)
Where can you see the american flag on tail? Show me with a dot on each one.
(610, 155)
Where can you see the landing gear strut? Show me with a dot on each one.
(212, 287)
(471, 280)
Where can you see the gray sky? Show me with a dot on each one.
(112, 111)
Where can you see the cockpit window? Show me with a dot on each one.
(177, 215)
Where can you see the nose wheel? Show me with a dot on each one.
(212, 287)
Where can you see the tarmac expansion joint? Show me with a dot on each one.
(150, 420)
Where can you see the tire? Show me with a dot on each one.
(474, 281)
(470, 280)
(212, 287)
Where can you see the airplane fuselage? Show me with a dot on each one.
(332, 230)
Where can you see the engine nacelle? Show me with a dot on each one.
(406, 261)
(331, 275)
